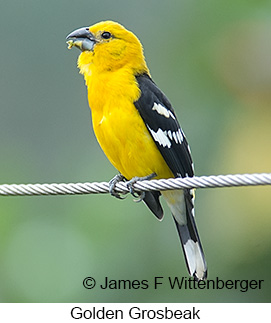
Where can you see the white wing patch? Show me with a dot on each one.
(163, 111)
(180, 136)
(165, 137)
(161, 137)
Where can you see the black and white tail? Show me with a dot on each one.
(181, 205)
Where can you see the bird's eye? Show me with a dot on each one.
(106, 35)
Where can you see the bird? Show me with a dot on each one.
(137, 127)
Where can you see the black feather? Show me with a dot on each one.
(160, 119)
(151, 199)
(177, 156)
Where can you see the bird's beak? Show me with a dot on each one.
(81, 38)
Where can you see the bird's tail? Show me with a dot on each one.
(181, 204)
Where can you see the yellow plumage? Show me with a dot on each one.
(109, 73)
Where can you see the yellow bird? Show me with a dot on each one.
(136, 125)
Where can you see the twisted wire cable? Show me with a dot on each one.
(150, 185)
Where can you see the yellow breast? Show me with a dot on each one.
(120, 129)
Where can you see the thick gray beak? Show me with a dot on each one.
(81, 38)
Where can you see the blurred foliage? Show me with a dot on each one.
(212, 59)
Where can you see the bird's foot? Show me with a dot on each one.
(130, 184)
(112, 186)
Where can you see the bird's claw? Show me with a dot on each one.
(112, 186)
(139, 196)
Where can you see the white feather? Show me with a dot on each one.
(194, 258)
(163, 111)
(161, 137)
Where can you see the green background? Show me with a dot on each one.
(213, 60)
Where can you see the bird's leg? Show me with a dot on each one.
(112, 186)
(141, 195)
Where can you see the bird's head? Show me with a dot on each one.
(107, 46)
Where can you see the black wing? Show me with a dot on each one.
(160, 119)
